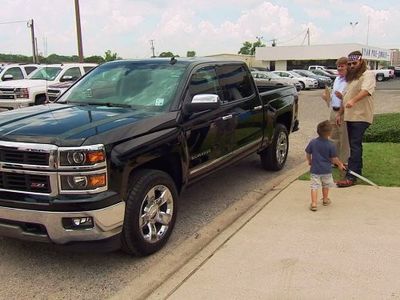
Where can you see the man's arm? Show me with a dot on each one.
(361, 95)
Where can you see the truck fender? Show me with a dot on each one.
(147, 151)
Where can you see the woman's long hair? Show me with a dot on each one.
(356, 74)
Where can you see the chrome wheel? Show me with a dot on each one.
(156, 213)
(281, 147)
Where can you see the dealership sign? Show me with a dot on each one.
(378, 54)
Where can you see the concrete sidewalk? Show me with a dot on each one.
(348, 250)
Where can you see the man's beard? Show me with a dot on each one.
(355, 72)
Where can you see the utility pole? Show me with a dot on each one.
(37, 52)
(368, 31)
(152, 47)
(78, 30)
(308, 35)
(34, 54)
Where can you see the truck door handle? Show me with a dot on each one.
(227, 117)
(258, 107)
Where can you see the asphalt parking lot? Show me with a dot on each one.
(392, 84)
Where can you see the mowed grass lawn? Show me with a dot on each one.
(381, 164)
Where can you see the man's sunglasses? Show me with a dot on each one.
(353, 63)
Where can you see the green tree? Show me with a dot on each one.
(191, 54)
(246, 48)
(94, 59)
(249, 48)
(167, 54)
(108, 56)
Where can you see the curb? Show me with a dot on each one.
(167, 274)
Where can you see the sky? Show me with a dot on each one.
(204, 26)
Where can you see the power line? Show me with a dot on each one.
(295, 37)
(13, 22)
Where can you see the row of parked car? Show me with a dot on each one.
(24, 85)
(314, 77)
(301, 79)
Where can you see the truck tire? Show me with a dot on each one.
(150, 213)
(41, 99)
(274, 157)
(380, 77)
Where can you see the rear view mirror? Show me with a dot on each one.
(203, 102)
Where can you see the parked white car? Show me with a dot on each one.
(16, 71)
(269, 77)
(33, 91)
(306, 82)
(315, 67)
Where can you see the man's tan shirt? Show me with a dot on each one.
(363, 110)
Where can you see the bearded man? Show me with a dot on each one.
(358, 110)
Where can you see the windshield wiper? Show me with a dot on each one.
(109, 104)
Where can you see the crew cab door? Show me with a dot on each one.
(209, 134)
(243, 106)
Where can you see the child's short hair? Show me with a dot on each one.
(324, 128)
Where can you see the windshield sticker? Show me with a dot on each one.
(159, 102)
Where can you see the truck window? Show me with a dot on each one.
(204, 81)
(15, 72)
(87, 68)
(235, 82)
(29, 69)
(74, 72)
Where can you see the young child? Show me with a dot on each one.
(321, 154)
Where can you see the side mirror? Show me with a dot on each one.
(203, 102)
(8, 77)
(66, 78)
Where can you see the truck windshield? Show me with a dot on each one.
(147, 85)
(47, 73)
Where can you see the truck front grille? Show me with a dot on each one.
(7, 93)
(25, 182)
(24, 157)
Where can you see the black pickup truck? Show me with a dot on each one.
(104, 165)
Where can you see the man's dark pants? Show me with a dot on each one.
(356, 132)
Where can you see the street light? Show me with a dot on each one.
(353, 25)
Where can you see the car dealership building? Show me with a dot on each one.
(300, 57)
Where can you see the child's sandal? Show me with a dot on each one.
(313, 208)
(326, 201)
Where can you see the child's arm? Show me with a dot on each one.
(308, 156)
(337, 162)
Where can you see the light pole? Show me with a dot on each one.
(152, 47)
(78, 30)
(353, 25)
(34, 53)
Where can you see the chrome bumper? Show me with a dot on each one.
(107, 223)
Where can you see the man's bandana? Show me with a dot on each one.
(354, 57)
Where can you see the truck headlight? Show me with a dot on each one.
(21, 93)
(82, 182)
(83, 156)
